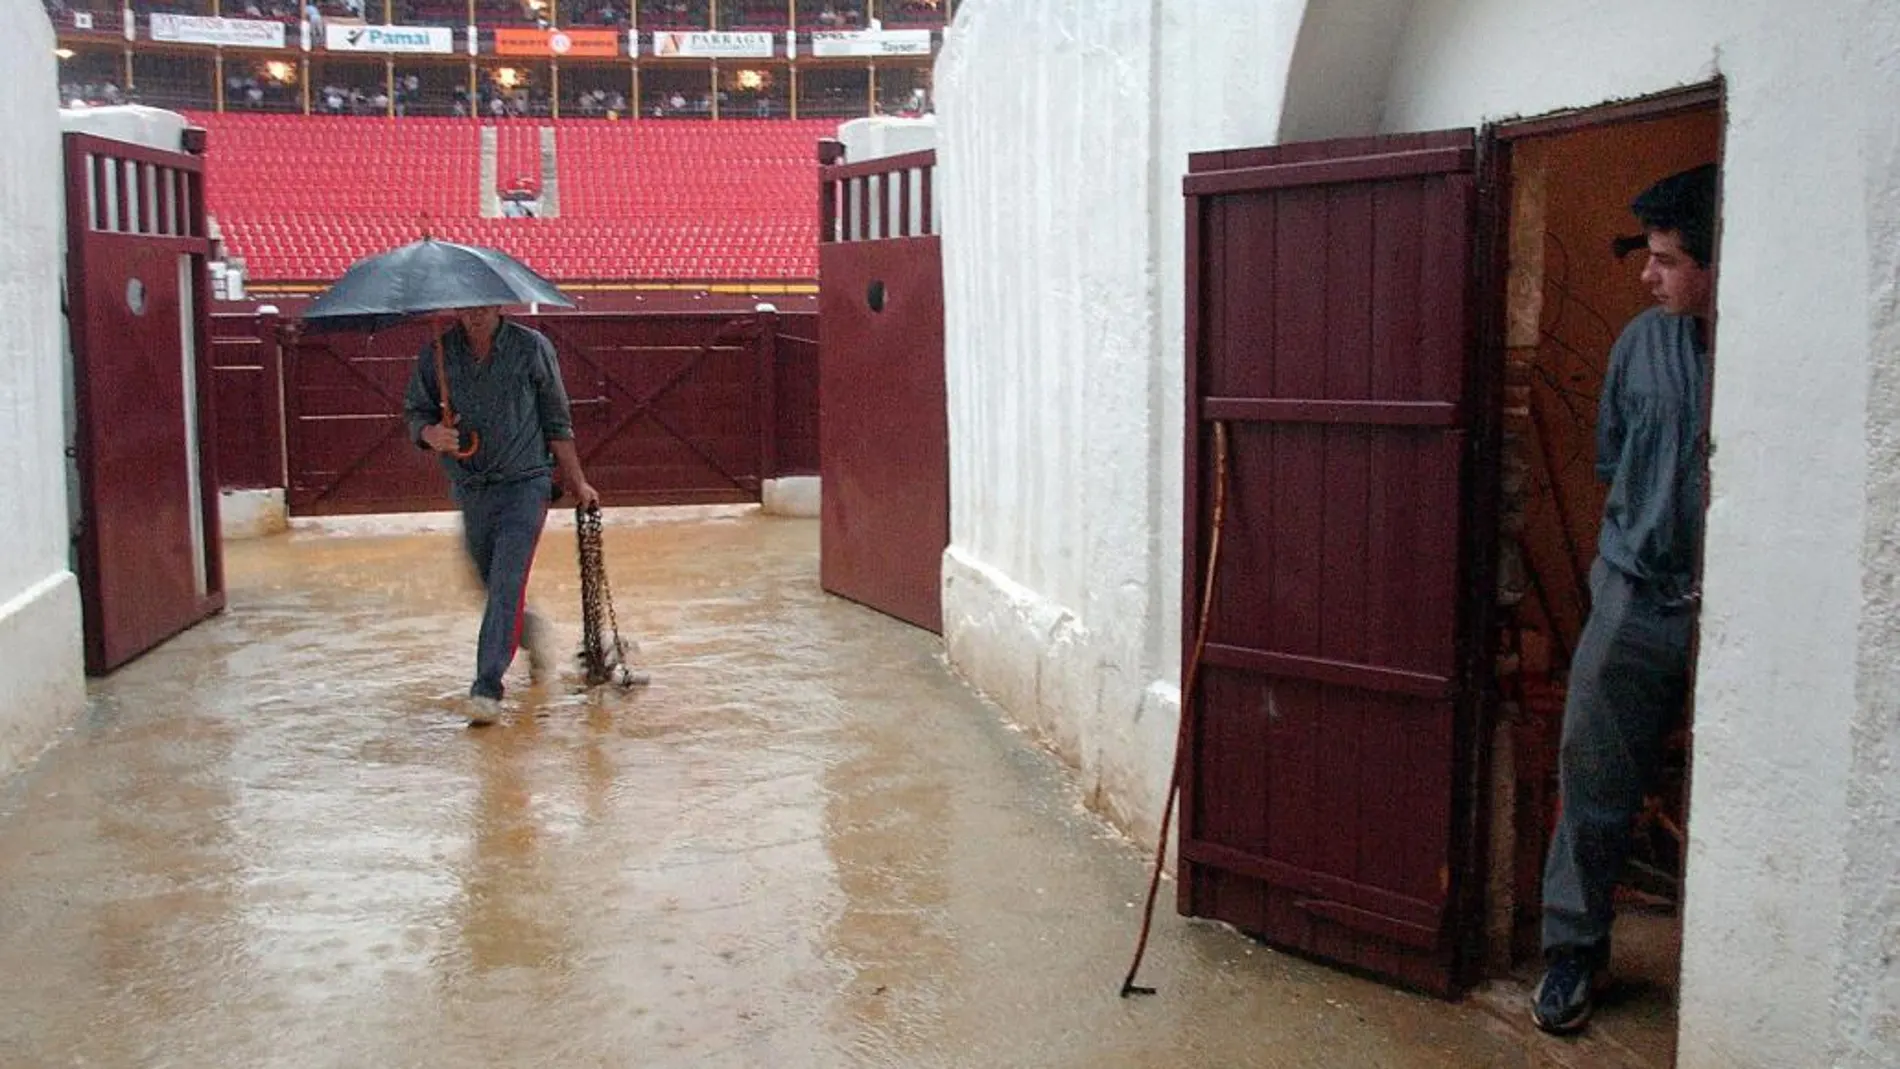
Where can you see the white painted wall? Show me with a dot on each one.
(1867, 996)
(885, 135)
(246, 514)
(42, 686)
(876, 138)
(1065, 127)
(136, 123)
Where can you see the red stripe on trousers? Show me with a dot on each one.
(521, 603)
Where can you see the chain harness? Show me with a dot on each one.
(604, 653)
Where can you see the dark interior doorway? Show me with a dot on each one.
(1569, 183)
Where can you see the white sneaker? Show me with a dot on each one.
(483, 711)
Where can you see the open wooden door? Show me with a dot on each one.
(884, 424)
(148, 549)
(1327, 805)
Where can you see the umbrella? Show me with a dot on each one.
(427, 276)
(421, 278)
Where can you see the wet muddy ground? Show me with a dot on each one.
(273, 843)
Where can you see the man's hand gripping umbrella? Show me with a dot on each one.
(447, 436)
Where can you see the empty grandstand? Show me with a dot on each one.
(619, 144)
(300, 198)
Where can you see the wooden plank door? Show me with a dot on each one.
(148, 551)
(884, 425)
(1325, 806)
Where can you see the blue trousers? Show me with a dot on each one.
(501, 525)
(1628, 683)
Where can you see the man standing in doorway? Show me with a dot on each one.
(505, 386)
(1629, 678)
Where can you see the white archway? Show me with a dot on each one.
(1341, 68)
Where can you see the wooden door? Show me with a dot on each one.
(1327, 804)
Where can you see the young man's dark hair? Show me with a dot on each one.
(1684, 203)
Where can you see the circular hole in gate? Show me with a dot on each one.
(874, 296)
(135, 296)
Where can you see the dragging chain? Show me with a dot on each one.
(604, 654)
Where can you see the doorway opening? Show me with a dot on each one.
(1566, 190)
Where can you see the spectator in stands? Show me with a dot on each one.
(675, 14)
(505, 383)
(89, 95)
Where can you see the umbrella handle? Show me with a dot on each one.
(463, 452)
(448, 411)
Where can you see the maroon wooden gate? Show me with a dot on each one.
(1327, 805)
(668, 409)
(680, 412)
(247, 353)
(884, 439)
(148, 549)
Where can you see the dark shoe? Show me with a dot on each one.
(1567, 994)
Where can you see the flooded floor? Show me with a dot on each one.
(273, 843)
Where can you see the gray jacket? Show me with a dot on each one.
(515, 400)
(1651, 422)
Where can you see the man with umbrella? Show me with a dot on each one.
(511, 426)
(486, 397)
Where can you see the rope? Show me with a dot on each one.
(1129, 987)
(604, 654)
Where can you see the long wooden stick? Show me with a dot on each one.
(1129, 987)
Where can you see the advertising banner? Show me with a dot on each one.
(388, 38)
(559, 44)
(226, 33)
(830, 43)
(669, 44)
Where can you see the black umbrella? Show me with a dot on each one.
(422, 277)
(425, 277)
